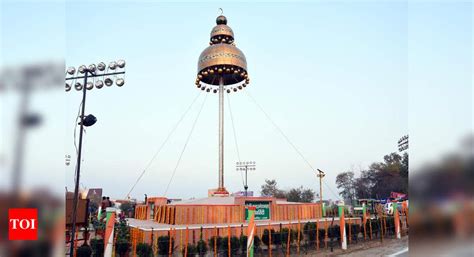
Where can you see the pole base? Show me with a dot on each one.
(218, 192)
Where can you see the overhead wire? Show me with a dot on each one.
(164, 143)
(185, 145)
(287, 139)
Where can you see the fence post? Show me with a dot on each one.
(228, 241)
(298, 237)
(288, 241)
(326, 234)
(180, 240)
(75, 243)
(186, 242)
(370, 228)
(381, 229)
(317, 234)
(215, 241)
(135, 243)
(350, 229)
(170, 241)
(269, 240)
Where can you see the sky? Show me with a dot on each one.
(343, 81)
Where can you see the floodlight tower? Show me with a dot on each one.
(222, 67)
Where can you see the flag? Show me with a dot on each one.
(396, 218)
(250, 230)
(342, 224)
(109, 233)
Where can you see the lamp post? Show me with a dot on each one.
(222, 67)
(321, 175)
(245, 166)
(85, 73)
(27, 79)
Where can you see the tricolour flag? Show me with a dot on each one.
(396, 219)
(250, 230)
(342, 224)
(109, 233)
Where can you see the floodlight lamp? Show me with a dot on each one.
(99, 84)
(71, 70)
(120, 82)
(82, 69)
(108, 82)
(89, 85)
(121, 64)
(101, 66)
(92, 67)
(112, 65)
(78, 86)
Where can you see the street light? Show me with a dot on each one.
(245, 166)
(84, 72)
(321, 175)
(27, 79)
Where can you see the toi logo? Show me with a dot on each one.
(22, 224)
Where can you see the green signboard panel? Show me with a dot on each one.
(262, 209)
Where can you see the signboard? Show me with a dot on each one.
(95, 195)
(262, 209)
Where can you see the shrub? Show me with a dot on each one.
(276, 238)
(309, 230)
(122, 246)
(390, 225)
(375, 227)
(192, 250)
(334, 232)
(97, 246)
(144, 250)
(201, 247)
(218, 241)
(164, 244)
(322, 235)
(256, 243)
(294, 235)
(266, 236)
(355, 230)
(243, 243)
(284, 236)
(84, 251)
(234, 244)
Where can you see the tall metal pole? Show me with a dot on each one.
(78, 170)
(20, 140)
(246, 185)
(321, 191)
(321, 176)
(221, 134)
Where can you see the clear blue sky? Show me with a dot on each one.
(334, 76)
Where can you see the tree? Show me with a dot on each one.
(345, 181)
(270, 189)
(308, 195)
(122, 245)
(378, 181)
(299, 194)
